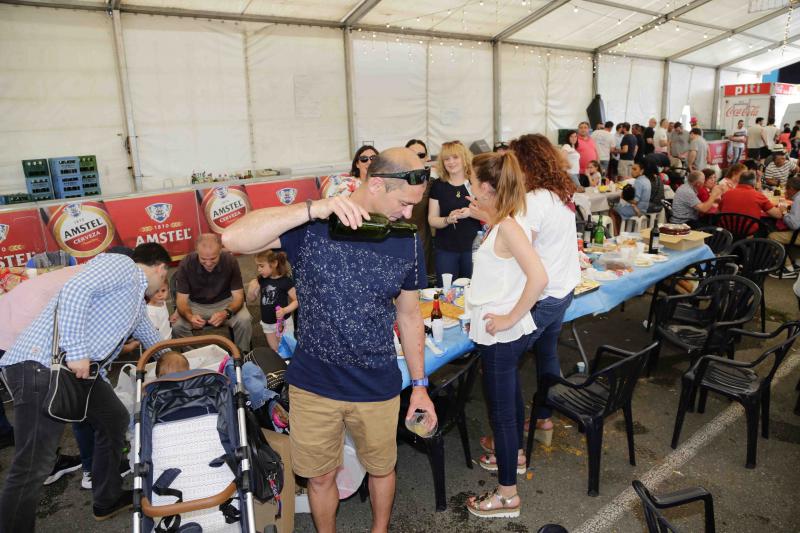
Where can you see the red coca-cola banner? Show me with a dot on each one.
(282, 193)
(82, 229)
(21, 237)
(169, 219)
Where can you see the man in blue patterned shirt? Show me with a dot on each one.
(344, 372)
(98, 309)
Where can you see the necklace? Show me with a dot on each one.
(458, 193)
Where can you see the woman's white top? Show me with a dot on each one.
(497, 284)
(574, 159)
(159, 316)
(556, 241)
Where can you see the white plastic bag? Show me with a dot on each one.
(352, 472)
(126, 386)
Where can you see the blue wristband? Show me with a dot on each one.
(419, 382)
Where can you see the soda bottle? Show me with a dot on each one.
(280, 324)
(599, 235)
(377, 228)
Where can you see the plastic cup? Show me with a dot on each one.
(417, 425)
(639, 248)
(447, 281)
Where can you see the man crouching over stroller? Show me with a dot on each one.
(98, 309)
(345, 375)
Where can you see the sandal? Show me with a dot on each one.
(544, 434)
(486, 506)
(489, 462)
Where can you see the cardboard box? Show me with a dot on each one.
(679, 242)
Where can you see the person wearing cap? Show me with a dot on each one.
(779, 169)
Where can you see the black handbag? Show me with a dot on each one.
(67, 397)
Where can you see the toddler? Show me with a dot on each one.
(171, 362)
(275, 292)
(158, 313)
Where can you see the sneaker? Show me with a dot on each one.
(124, 467)
(86, 481)
(64, 465)
(123, 503)
(785, 273)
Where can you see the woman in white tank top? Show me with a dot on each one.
(507, 279)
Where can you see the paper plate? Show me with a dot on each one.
(461, 282)
(428, 294)
(448, 322)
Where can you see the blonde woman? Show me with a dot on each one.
(509, 278)
(449, 214)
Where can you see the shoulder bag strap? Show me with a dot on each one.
(54, 354)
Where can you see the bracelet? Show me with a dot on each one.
(308, 208)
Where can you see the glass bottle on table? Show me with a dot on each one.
(588, 231)
(377, 228)
(599, 234)
(437, 320)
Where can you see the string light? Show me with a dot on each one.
(574, 8)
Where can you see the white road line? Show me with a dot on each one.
(608, 515)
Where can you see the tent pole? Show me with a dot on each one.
(595, 73)
(497, 133)
(715, 105)
(665, 91)
(130, 128)
(348, 81)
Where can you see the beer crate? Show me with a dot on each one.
(39, 186)
(67, 167)
(15, 198)
(36, 168)
(87, 163)
(41, 197)
(68, 188)
(90, 179)
(91, 190)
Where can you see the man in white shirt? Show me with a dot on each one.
(660, 142)
(770, 133)
(738, 141)
(756, 141)
(604, 141)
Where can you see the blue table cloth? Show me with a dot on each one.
(612, 293)
(609, 295)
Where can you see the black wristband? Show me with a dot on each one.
(308, 208)
(228, 312)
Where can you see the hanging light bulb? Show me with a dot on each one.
(677, 28)
(705, 36)
(730, 38)
(480, 3)
(418, 19)
(619, 21)
(574, 8)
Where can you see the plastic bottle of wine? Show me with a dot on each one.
(377, 228)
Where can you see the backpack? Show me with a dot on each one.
(656, 193)
(266, 467)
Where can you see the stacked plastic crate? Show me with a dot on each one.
(89, 177)
(65, 173)
(37, 179)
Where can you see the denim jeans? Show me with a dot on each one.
(506, 407)
(548, 315)
(84, 436)
(459, 264)
(737, 155)
(37, 437)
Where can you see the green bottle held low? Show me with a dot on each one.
(377, 228)
(599, 234)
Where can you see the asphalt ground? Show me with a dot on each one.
(711, 454)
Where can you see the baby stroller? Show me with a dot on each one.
(192, 458)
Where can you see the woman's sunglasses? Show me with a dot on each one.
(365, 158)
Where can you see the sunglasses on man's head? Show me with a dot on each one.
(412, 177)
(422, 155)
(365, 158)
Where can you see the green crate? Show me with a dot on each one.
(88, 163)
(91, 190)
(16, 198)
(36, 168)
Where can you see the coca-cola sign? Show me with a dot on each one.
(742, 110)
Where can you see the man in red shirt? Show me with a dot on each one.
(586, 147)
(745, 199)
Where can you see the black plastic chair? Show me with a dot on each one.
(693, 273)
(737, 381)
(588, 400)
(757, 258)
(656, 523)
(719, 304)
(741, 226)
(720, 241)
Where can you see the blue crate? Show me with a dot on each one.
(39, 185)
(90, 179)
(41, 197)
(64, 167)
(72, 188)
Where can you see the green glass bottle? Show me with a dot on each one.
(376, 229)
(599, 234)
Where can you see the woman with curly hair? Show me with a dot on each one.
(550, 214)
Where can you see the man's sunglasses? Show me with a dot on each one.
(422, 155)
(365, 158)
(412, 177)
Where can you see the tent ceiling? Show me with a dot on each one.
(578, 24)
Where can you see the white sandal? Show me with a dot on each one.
(487, 464)
(506, 510)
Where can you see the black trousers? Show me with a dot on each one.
(37, 437)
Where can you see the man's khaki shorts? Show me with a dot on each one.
(318, 425)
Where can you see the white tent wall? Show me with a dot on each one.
(459, 93)
(389, 90)
(187, 81)
(59, 93)
(734, 77)
(631, 88)
(541, 93)
(694, 86)
(523, 91)
(297, 96)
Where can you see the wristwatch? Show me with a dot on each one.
(419, 382)
(228, 312)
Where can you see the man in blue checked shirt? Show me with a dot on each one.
(98, 309)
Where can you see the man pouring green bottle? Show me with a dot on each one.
(356, 269)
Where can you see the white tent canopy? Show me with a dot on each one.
(160, 88)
